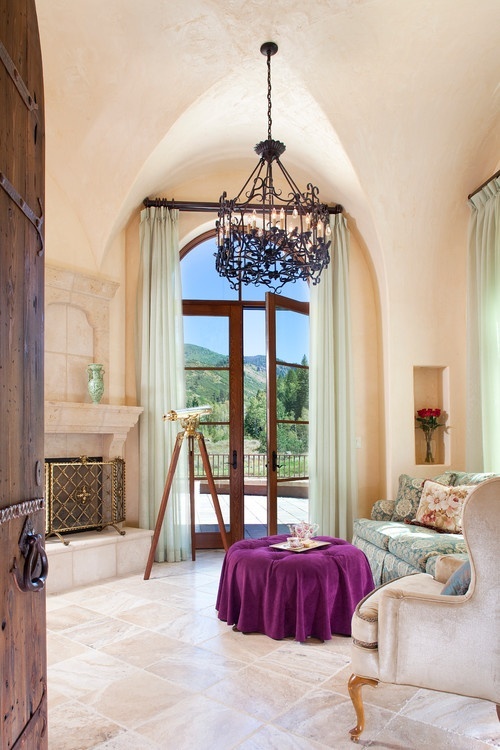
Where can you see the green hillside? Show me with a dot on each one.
(211, 386)
(198, 356)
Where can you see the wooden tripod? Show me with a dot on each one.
(191, 434)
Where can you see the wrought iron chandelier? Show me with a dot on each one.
(269, 234)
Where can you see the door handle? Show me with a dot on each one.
(35, 569)
(275, 464)
(234, 462)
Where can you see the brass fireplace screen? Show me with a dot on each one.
(84, 494)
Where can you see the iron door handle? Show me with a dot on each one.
(36, 554)
(36, 564)
(275, 464)
(234, 462)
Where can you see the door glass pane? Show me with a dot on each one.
(206, 340)
(293, 504)
(210, 387)
(199, 278)
(292, 415)
(292, 336)
(206, 351)
(217, 441)
(255, 428)
(292, 394)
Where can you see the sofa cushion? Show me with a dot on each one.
(468, 477)
(459, 581)
(408, 497)
(448, 478)
(382, 510)
(419, 544)
(441, 507)
(379, 533)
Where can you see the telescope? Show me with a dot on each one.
(188, 419)
(192, 413)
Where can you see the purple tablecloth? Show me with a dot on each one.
(300, 594)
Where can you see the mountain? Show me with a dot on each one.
(211, 386)
(198, 356)
(257, 360)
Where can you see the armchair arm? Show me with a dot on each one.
(426, 640)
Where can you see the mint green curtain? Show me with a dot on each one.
(483, 331)
(333, 487)
(160, 380)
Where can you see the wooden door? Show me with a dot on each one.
(287, 322)
(224, 320)
(23, 701)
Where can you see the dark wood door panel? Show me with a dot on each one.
(23, 701)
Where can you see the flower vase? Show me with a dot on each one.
(95, 384)
(429, 458)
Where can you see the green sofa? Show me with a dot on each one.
(393, 547)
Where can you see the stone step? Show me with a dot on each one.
(93, 556)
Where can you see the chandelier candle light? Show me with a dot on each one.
(267, 234)
(428, 421)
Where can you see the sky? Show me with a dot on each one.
(200, 280)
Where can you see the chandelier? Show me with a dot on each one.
(270, 234)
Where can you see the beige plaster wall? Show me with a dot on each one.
(368, 376)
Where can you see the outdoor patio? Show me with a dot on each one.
(290, 510)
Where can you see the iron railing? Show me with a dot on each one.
(290, 465)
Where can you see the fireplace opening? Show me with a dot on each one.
(83, 494)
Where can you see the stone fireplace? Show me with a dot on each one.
(77, 332)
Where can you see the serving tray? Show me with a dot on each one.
(312, 545)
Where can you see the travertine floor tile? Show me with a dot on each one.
(147, 665)
(259, 692)
(194, 667)
(199, 722)
(136, 699)
(76, 727)
(406, 734)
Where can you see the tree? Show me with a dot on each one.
(255, 419)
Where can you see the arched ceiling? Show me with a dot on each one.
(387, 105)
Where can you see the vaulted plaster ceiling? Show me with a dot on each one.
(390, 106)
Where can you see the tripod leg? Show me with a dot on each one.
(191, 495)
(164, 501)
(213, 490)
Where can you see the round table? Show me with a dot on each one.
(282, 593)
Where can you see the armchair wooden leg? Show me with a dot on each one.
(355, 684)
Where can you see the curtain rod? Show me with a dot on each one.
(493, 177)
(205, 206)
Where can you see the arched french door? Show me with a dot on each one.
(247, 357)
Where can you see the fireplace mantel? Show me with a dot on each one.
(110, 420)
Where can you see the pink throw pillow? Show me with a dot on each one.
(441, 506)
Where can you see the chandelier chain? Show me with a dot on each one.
(269, 119)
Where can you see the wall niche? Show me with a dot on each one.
(431, 390)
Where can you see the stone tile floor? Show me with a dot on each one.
(147, 665)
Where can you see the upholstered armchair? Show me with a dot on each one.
(407, 632)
